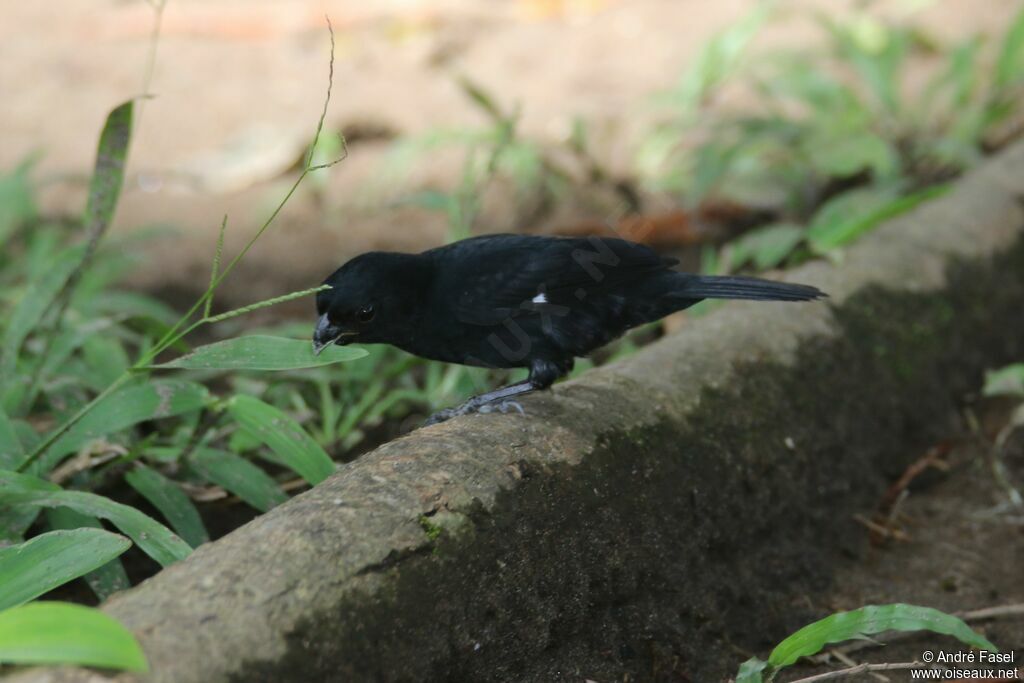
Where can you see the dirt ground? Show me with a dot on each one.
(955, 543)
(239, 84)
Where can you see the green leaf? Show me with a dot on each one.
(11, 452)
(63, 633)
(106, 580)
(106, 360)
(750, 671)
(126, 408)
(133, 305)
(719, 59)
(239, 476)
(17, 204)
(847, 155)
(171, 501)
(1005, 381)
(291, 444)
(29, 569)
(1010, 63)
(108, 172)
(767, 247)
(14, 520)
(846, 217)
(481, 98)
(258, 352)
(877, 52)
(35, 302)
(151, 536)
(869, 620)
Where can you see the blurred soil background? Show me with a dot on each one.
(238, 86)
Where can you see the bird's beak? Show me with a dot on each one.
(326, 334)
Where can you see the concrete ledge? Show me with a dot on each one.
(643, 518)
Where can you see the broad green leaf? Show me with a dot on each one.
(258, 352)
(870, 620)
(29, 569)
(63, 633)
(1010, 63)
(1008, 380)
(106, 580)
(108, 172)
(767, 247)
(171, 501)
(238, 476)
(151, 536)
(11, 452)
(846, 217)
(126, 408)
(17, 204)
(291, 444)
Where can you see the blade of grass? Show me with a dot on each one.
(151, 536)
(258, 352)
(238, 476)
(284, 436)
(171, 501)
(870, 620)
(11, 452)
(104, 193)
(127, 408)
(63, 633)
(106, 580)
(29, 569)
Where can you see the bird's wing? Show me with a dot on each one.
(531, 275)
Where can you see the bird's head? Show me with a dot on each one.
(369, 299)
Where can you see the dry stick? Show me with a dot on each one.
(997, 612)
(173, 335)
(851, 663)
(859, 669)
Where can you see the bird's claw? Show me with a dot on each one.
(502, 407)
(469, 407)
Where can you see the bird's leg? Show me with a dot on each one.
(542, 375)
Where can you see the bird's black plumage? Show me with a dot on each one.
(517, 301)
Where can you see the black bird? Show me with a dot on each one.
(516, 301)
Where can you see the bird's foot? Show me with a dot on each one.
(475, 406)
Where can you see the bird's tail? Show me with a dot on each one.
(739, 287)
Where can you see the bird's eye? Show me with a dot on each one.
(365, 314)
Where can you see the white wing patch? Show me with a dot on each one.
(540, 299)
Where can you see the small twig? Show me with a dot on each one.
(87, 459)
(859, 669)
(879, 530)
(998, 612)
(851, 663)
